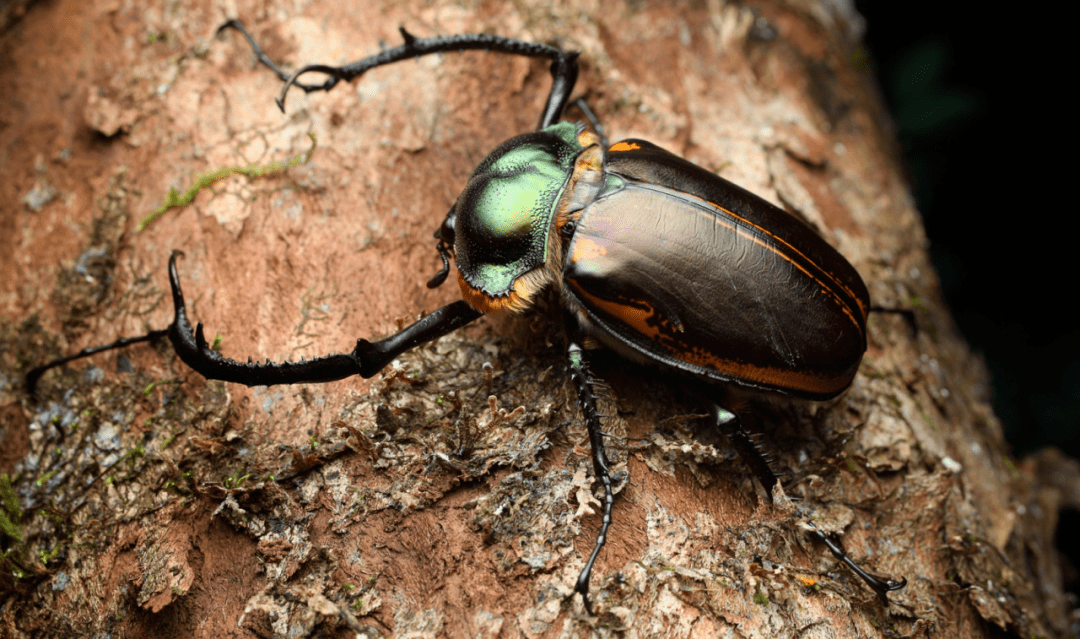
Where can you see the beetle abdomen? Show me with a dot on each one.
(690, 284)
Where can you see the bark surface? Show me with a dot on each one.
(446, 497)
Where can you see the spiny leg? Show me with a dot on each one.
(579, 374)
(758, 462)
(564, 66)
(365, 360)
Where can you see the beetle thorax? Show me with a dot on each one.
(508, 219)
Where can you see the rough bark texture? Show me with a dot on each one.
(422, 503)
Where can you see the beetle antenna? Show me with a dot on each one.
(440, 277)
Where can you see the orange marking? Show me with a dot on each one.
(587, 139)
(637, 319)
(624, 146)
(484, 303)
(585, 248)
(840, 302)
(779, 240)
(824, 287)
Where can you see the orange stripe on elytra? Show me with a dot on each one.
(752, 238)
(781, 240)
(624, 146)
(585, 248)
(824, 286)
(636, 318)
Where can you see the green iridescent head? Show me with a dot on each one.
(503, 216)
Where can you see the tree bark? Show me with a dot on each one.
(422, 503)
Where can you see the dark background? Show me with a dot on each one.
(984, 131)
(978, 127)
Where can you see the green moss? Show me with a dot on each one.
(44, 479)
(10, 510)
(48, 555)
(176, 199)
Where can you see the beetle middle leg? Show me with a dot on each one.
(579, 373)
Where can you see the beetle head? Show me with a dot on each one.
(501, 222)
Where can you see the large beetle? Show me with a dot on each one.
(652, 256)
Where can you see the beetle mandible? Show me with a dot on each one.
(733, 290)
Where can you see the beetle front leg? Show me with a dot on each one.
(579, 373)
(366, 359)
(564, 66)
(35, 374)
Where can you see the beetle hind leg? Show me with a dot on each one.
(758, 461)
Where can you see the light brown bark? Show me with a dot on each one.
(371, 523)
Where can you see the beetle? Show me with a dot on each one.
(652, 256)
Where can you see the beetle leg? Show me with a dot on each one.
(365, 360)
(880, 585)
(752, 454)
(564, 66)
(758, 462)
(35, 374)
(579, 373)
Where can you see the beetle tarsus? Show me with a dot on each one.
(880, 585)
(265, 60)
(564, 66)
(35, 374)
